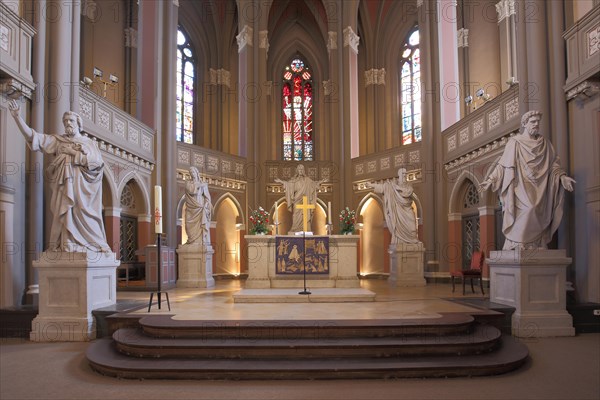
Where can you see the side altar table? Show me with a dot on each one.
(262, 263)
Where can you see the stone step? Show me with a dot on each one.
(105, 359)
(134, 342)
(166, 327)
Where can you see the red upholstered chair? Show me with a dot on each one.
(473, 272)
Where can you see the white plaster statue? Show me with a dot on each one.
(397, 208)
(531, 185)
(75, 179)
(298, 186)
(198, 209)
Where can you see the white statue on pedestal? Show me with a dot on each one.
(198, 209)
(531, 184)
(75, 178)
(298, 186)
(397, 208)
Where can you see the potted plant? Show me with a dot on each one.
(347, 221)
(259, 220)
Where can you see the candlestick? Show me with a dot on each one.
(158, 216)
(329, 212)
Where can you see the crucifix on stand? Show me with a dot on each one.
(158, 230)
(305, 207)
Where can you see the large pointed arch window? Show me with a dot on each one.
(410, 89)
(186, 77)
(297, 112)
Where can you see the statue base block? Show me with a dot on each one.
(406, 264)
(534, 283)
(72, 284)
(195, 266)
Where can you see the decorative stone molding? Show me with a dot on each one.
(479, 152)
(4, 39)
(451, 142)
(131, 37)
(584, 91)
(331, 41)
(219, 77)
(351, 39)
(593, 41)
(419, 3)
(505, 8)
(511, 109)
(263, 41)
(375, 77)
(245, 38)
(14, 89)
(414, 175)
(463, 37)
(213, 181)
(120, 152)
(327, 87)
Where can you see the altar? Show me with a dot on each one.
(329, 261)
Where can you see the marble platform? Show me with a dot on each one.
(318, 295)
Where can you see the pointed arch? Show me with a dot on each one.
(454, 202)
(235, 201)
(144, 189)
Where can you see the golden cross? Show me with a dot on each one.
(305, 207)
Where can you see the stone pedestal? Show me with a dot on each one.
(534, 283)
(343, 262)
(195, 266)
(71, 285)
(261, 259)
(407, 264)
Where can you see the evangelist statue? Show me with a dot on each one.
(198, 209)
(298, 186)
(75, 179)
(531, 185)
(397, 208)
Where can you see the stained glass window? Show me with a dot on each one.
(297, 112)
(186, 73)
(410, 89)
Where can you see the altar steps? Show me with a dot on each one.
(162, 348)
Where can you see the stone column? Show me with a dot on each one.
(448, 59)
(508, 53)
(487, 233)
(112, 226)
(452, 252)
(534, 283)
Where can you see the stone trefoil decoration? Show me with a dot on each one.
(531, 185)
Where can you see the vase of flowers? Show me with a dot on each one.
(347, 221)
(259, 220)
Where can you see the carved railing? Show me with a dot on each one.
(219, 169)
(483, 127)
(16, 39)
(316, 170)
(117, 132)
(582, 41)
(385, 164)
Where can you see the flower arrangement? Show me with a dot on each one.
(347, 221)
(259, 219)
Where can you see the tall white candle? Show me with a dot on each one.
(276, 216)
(158, 215)
(329, 212)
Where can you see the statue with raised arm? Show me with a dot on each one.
(75, 179)
(397, 208)
(531, 185)
(198, 209)
(298, 186)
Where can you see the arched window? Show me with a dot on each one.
(410, 89)
(297, 109)
(186, 74)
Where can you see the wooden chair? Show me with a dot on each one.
(473, 272)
